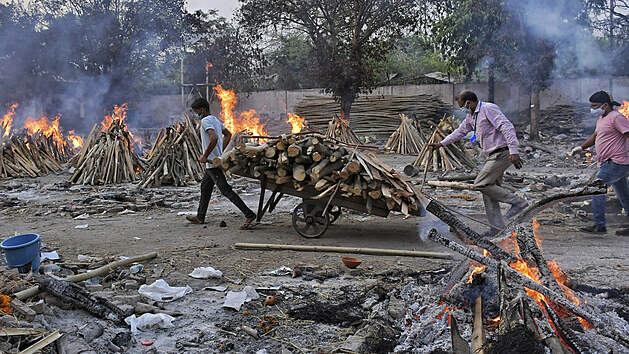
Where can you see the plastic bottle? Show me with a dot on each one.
(93, 281)
(49, 269)
(136, 269)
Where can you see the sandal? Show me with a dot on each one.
(193, 219)
(250, 223)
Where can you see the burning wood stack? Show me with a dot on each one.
(449, 157)
(38, 149)
(340, 131)
(107, 156)
(309, 160)
(528, 294)
(406, 140)
(173, 157)
(23, 156)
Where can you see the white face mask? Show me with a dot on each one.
(597, 111)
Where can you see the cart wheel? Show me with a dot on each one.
(335, 213)
(309, 221)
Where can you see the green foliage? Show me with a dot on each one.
(346, 37)
(290, 66)
(235, 61)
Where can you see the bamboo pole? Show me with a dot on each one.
(32, 291)
(358, 250)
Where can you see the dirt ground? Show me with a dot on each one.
(47, 206)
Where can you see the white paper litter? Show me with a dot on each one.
(84, 226)
(148, 320)
(49, 255)
(283, 270)
(206, 273)
(235, 299)
(181, 213)
(83, 216)
(126, 211)
(216, 288)
(161, 291)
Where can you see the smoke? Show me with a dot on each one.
(562, 23)
(430, 222)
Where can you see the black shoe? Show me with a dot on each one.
(515, 210)
(594, 229)
(623, 232)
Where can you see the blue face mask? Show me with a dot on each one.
(200, 116)
(466, 110)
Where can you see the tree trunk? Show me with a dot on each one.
(491, 84)
(535, 115)
(347, 98)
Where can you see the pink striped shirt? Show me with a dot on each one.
(611, 142)
(493, 129)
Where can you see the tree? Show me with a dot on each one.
(347, 37)
(290, 63)
(226, 52)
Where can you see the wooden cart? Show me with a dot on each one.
(310, 218)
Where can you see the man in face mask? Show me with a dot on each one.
(214, 139)
(496, 136)
(612, 152)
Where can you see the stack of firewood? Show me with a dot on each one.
(449, 157)
(106, 157)
(340, 131)
(332, 168)
(173, 159)
(376, 115)
(406, 140)
(24, 155)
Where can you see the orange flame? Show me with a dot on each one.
(208, 66)
(48, 130)
(624, 109)
(495, 320)
(247, 121)
(119, 113)
(296, 121)
(477, 269)
(77, 141)
(7, 120)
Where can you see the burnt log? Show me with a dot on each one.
(81, 298)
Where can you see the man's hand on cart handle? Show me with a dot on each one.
(202, 158)
(435, 146)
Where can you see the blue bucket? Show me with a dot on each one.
(21, 252)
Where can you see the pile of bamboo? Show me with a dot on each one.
(106, 157)
(24, 155)
(376, 115)
(447, 158)
(332, 169)
(173, 159)
(340, 131)
(406, 140)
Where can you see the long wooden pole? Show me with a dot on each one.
(32, 291)
(359, 250)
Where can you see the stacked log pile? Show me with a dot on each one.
(406, 140)
(106, 157)
(376, 115)
(173, 157)
(24, 155)
(340, 131)
(305, 161)
(449, 157)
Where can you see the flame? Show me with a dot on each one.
(588, 157)
(7, 119)
(208, 66)
(42, 126)
(77, 141)
(247, 121)
(119, 113)
(296, 121)
(624, 109)
(479, 268)
(537, 234)
(495, 320)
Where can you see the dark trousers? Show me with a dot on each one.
(215, 176)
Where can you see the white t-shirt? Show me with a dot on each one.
(211, 122)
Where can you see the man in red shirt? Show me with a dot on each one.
(612, 152)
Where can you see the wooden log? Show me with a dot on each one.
(453, 185)
(294, 150)
(76, 295)
(299, 172)
(478, 331)
(372, 251)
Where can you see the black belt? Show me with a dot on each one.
(499, 150)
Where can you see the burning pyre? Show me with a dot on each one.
(39, 148)
(107, 155)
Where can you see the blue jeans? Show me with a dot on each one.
(615, 175)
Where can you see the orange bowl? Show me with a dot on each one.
(351, 262)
